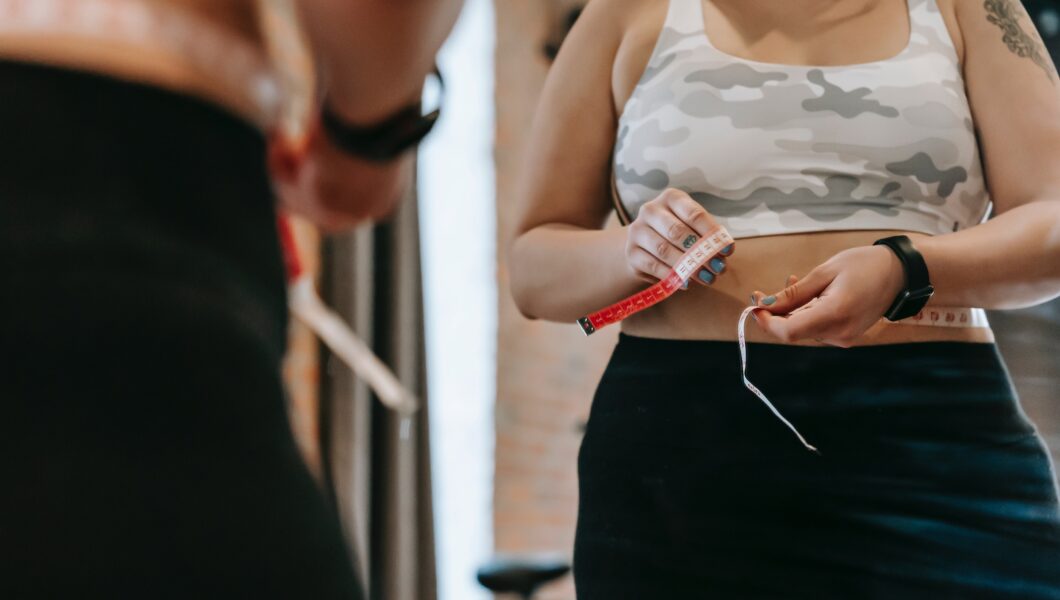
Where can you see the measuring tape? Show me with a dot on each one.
(307, 307)
(937, 317)
(698, 256)
(946, 317)
(711, 245)
(277, 83)
(689, 263)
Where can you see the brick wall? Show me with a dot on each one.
(546, 372)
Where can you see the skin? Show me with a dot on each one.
(372, 57)
(1011, 261)
(1008, 17)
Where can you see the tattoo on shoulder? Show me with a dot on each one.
(1006, 14)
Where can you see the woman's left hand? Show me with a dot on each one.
(837, 301)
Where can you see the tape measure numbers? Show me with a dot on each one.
(689, 263)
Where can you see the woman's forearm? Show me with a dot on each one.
(1010, 261)
(562, 272)
(375, 54)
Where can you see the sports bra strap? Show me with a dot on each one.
(929, 28)
(686, 16)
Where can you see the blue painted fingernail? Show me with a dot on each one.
(754, 301)
(717, 265)
(684, 286)
(706, 276)
(769, 300)
(727, 249)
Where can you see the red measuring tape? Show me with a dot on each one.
(707, 248)
(689, 263)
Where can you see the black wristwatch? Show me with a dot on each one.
(918, 288)
(387, 140)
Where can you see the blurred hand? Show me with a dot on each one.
(333, 190)
(837, 301)
(664, 230)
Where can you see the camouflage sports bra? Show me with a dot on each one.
(769, 148)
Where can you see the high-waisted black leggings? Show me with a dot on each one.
(145, 450)
(931, 482)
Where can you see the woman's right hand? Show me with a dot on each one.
(317, 181)
(665, 228)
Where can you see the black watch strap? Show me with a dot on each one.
(918, 288)
(386, 140)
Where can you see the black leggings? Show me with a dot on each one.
(145, 450)
(931, 481)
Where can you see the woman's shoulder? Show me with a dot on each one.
(634, 25)
(949, 9)
(616, 19)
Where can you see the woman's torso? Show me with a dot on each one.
(147, 57)
(801, 32)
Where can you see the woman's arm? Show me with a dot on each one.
(1010, 261)
(562, 264)
(569, 271)
(375, 54)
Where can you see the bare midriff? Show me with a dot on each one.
(146, 62)
(763, 264)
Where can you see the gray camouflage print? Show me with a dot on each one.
(733, 75)
(848, 104)
(771, 148)
(923, 168)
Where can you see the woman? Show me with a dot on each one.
(145, 445)
(809, 129)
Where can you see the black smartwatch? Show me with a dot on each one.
(387, 140)
(918, 288)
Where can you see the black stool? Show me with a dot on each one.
(520, 575)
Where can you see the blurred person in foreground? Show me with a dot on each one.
(144, 445)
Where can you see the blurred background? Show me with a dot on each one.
(490, 467)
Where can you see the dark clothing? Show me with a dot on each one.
(145, 449)
(931, 482)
